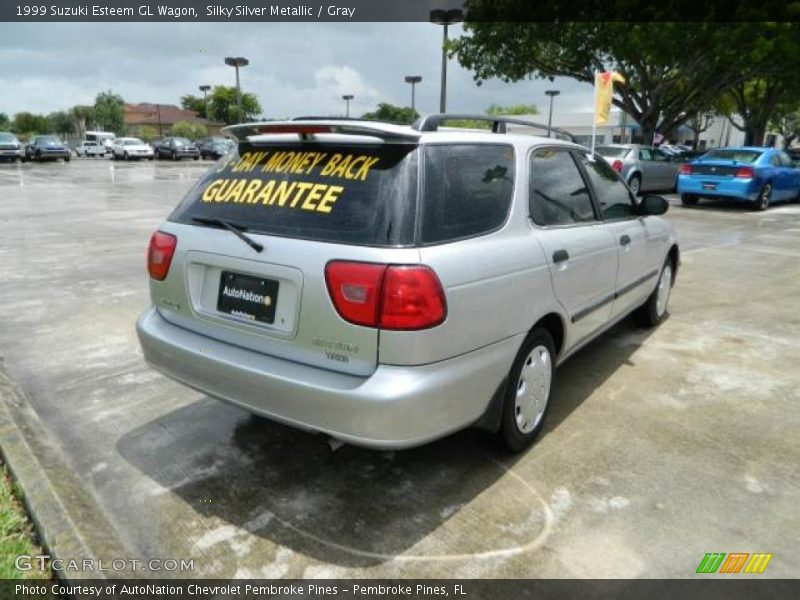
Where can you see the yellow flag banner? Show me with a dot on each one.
(604, 92)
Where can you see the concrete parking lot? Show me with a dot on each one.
(661, 445)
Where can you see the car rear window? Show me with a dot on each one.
(357, 194)
(741, 156)
(467, 190)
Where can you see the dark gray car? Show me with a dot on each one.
(643, 168)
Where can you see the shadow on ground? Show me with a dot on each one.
(355, 507)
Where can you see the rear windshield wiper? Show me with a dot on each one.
(234, 229)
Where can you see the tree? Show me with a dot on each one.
(786, 121)
(392, 113)
(84, 116)
(62, 123)
(665, 82)
(147, 133)
(109, 111)
(222, 105)
(189, 130)
(193, 103)
(699, 123)
(516, 109)
(27, 124)
(5, 122)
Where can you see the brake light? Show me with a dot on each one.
(617, 166)
(389, 297)
(685, 169)
(745, 172)
(159, 254)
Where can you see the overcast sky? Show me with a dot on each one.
(295, 68)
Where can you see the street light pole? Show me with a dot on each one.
(445, 18)
(204, 89)
(237, 61)
(347, 98)
(413, 80)
(552, 94)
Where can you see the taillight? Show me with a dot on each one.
(389, 297)
(617, 166)
(746, 172)
(685, 169)
(159, 254)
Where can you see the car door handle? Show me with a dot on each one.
(560, 256)
(624, 240)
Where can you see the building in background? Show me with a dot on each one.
(156, 120)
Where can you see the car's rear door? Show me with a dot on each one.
(581, 252)
(307, 204)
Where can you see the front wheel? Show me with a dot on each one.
(174, 155)
(635, 183)
(528, 391)
(762, 202)
(688, 200)
(653, 311)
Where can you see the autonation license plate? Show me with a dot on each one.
(709, 186)
(247, 297)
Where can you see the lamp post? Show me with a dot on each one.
(204, 89)
(347, 98)
(237, 61)
(445, 17)
(552, 94)
(413, 80)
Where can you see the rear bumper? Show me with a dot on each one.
(741, 189)
(395, 407)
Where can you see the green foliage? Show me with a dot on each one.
(26, 124)
(393, 114)
(786, 121)
(5, 122)
(84, 118)
(108, 112)
(193, 103)
(189, 130)
(16, 531)
(516, 109)
(62, 123)
(146, 133)
(673, 70)
(222, 105)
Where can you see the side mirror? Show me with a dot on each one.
(653, 205)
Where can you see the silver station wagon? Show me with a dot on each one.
(388, 285)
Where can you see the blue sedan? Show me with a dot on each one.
(759, 176)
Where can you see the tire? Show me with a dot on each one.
(762, 202)
(528, 391)
(197, 158)
(689, 200)
(654, 310)
(635, 183)
(67, 159)
(174, 155)
(126, 157)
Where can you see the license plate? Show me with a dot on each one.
(247, 297)
(709, 186)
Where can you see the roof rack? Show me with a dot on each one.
(433, 122)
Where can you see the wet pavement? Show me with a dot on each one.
(661, 445)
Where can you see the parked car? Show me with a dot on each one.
(759, 176)
(689, 155)
(176, 148)
(10, 147)
(388, 285)
(643, 168)
(215, 148)
(670, 149)
(46, 147)
(90, 148)
(131, 148)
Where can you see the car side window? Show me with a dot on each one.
(557, 191)
(645, 154)
(659, 156)
(616, 201)
(785, 160)
(775, 161)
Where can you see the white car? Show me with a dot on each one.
(90, 148)
(130, 148)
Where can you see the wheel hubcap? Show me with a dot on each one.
(765, 195)
(533, 389)
(635, 185)
(664, 286)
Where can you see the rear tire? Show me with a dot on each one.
(762, 202)
(654, 310)
(635, 183)
(528, 391)
(688, 200)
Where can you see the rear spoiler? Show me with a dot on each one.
(307, 129)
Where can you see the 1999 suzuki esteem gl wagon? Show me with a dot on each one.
(388, 285)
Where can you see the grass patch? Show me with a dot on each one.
(16, 531)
